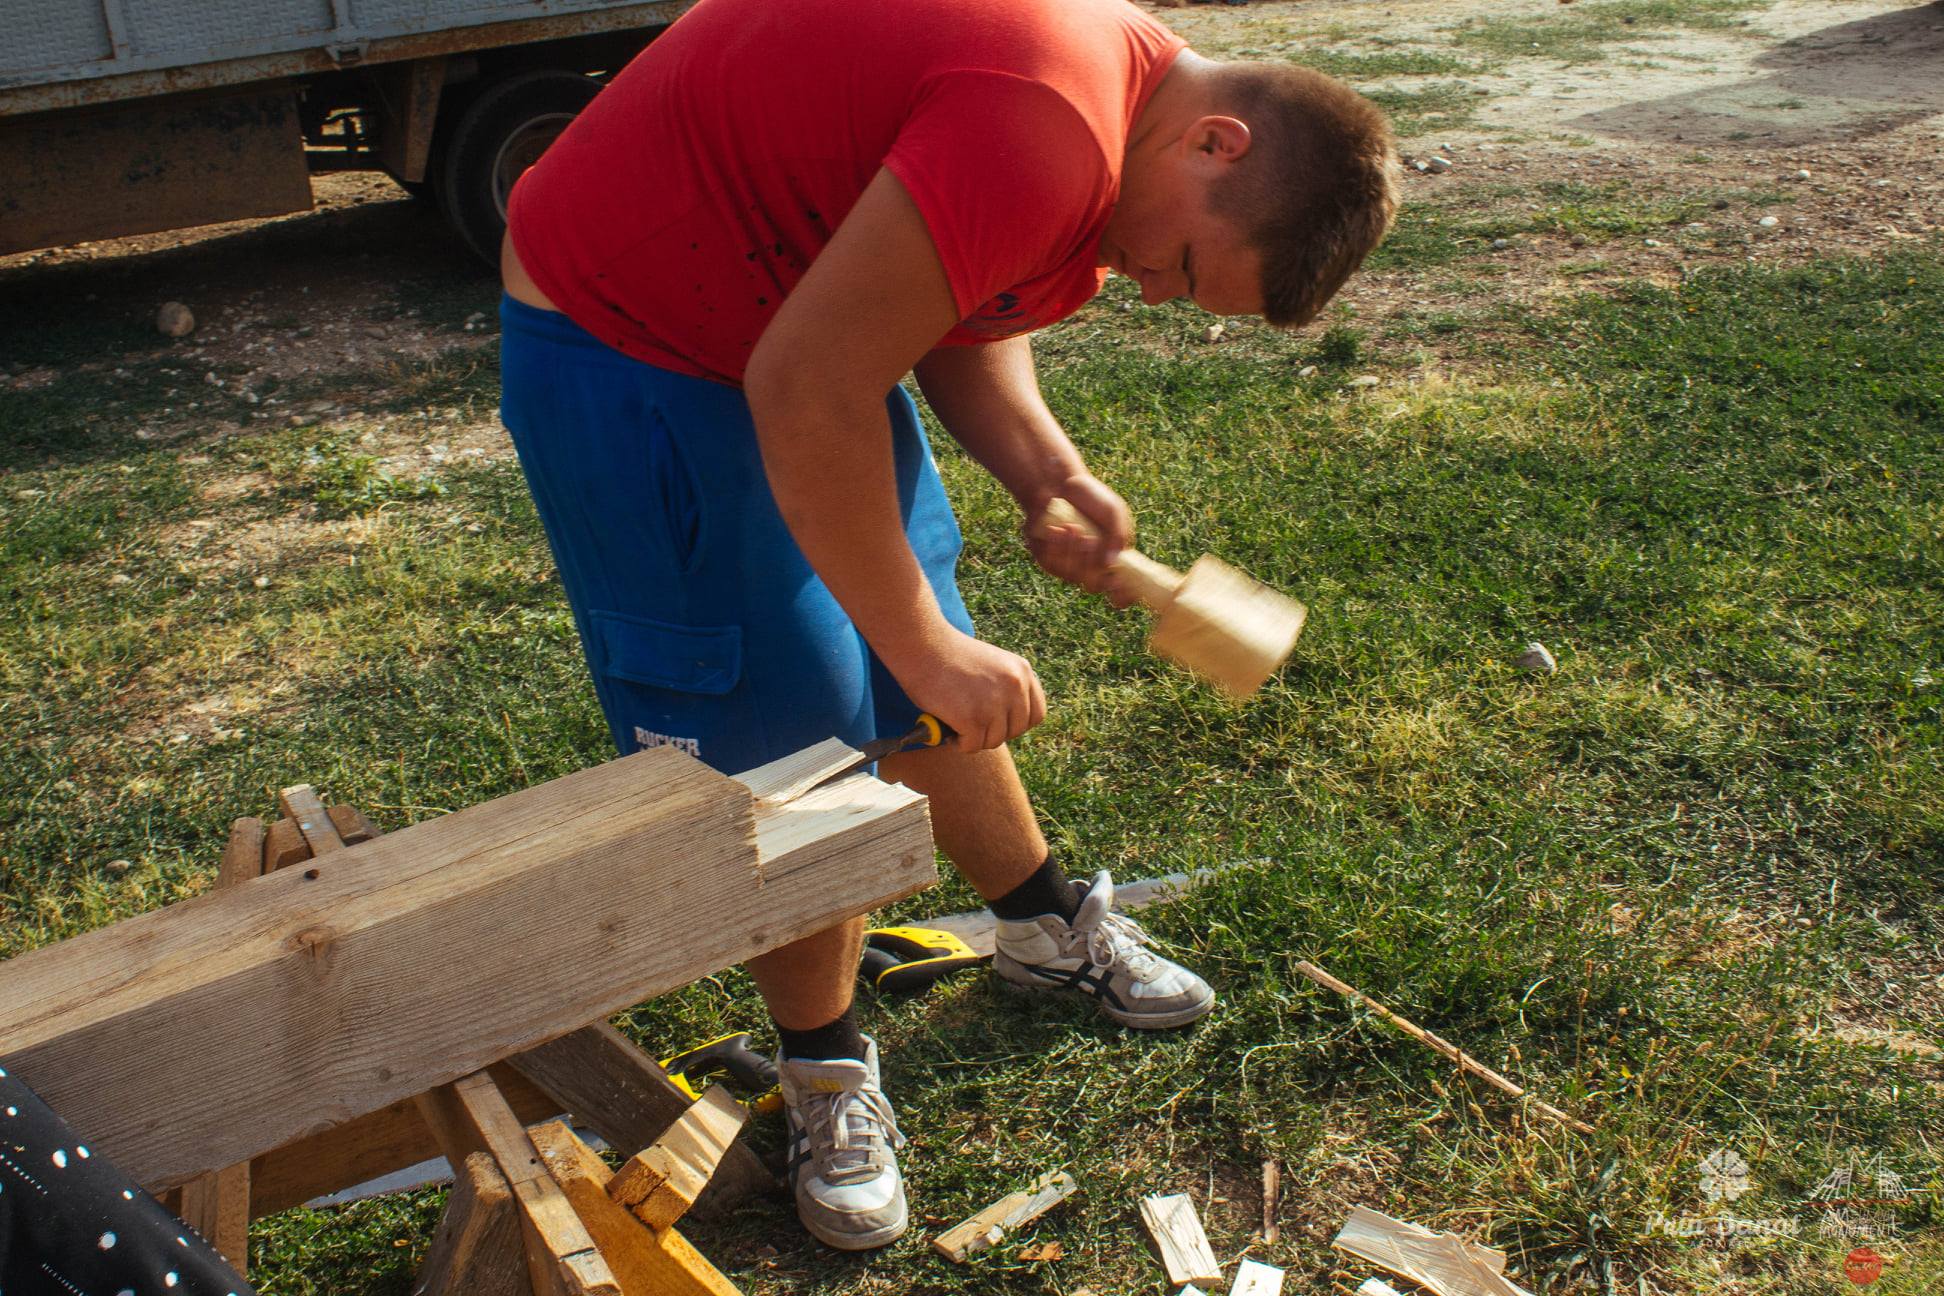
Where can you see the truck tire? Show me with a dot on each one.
(502, 132)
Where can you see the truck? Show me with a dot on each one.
(132, 116)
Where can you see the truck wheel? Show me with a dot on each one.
(502, 133)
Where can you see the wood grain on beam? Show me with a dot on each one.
(222, 1027)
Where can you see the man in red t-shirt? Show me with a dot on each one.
(714, 278)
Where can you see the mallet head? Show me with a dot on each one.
(1228, 627)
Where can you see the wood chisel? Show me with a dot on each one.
(930, 731)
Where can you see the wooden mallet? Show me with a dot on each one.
(1217, 621)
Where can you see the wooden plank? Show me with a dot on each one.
(301, 803)
(647, 1262)
(1013, 1211)
(322, 997)
(470, 1115)
(222, 1027)
(789, 778)
(377, 1143)
(1271, 1202)
(283, 845)
(612, 1087)
(1255, 1279)
(217, 1205)
(1440, 1262)
(478, 1250)
(243, 857)
(596, 1074)
(351, 824)
(660, 1183)
(1177, 1231)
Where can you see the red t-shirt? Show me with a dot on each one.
(675, 214)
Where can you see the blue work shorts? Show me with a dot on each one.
(703, 624)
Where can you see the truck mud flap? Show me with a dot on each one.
(161, 164)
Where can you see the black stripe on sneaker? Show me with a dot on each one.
(1086, 978)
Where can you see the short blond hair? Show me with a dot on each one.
(1318, 188)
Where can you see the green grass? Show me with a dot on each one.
(1651, 884)
(1360, 65)
(1584, 33)
(1436, 106)
(1450, 228)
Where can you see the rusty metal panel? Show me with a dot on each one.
(68, 178)
(408, 107)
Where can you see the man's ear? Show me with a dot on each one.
(1219, 139)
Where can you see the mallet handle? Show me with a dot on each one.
(1153, 583)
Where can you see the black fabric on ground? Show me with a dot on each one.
(826, 1043)
(1048, 891)
(71, 1224)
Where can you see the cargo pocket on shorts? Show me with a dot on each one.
(665, 685)
(685, 659)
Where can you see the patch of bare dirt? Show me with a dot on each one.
(1831, 110)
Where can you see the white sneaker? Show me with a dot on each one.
(1103, 954)
(843, 1151)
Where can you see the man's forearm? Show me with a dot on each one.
(830, 467)
(988, 398)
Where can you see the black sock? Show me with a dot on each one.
(1047, 891)
(826, 1043)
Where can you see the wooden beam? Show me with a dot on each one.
(283, 845)
(661, 1182)
(222, 1027)
(648, 1262)
(301, 803)
(615, 1089)
(596, 1074)
(377, 1143)
(478, 1250)
(1177, 1231)
(217, 1204)
(352, 826)
(469, 1116)
(243, 857)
